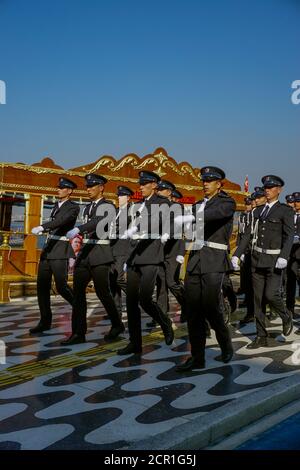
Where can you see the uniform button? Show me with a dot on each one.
(264, 221)
(261, 243)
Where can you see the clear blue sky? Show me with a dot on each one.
(209, 80)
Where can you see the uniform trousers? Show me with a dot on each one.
(248, 287)
(141, 280)
(168, 279)
(267, 284)
(83, 274)
(58, 268)
(204, 302)
(118, 280)
(293, 278)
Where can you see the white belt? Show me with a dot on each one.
(56, 237)
(217, 246)
(145, 236)
(95, 242)
(267, 252)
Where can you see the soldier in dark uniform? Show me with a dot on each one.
(56, 253)
(271, 246)
(293, 268)
(143, 265)
(174, 250)
(94, 262)
(121, 248)
(207, 264)
(260, 199)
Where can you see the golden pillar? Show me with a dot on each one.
(32, 219)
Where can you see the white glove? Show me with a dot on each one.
(165, 237)
(72, 233)
(37, 230)
(182, 219)
(125, 267)
(235, 263)
(180, 259)
(129, 232)
(242, 258)
(281, 263)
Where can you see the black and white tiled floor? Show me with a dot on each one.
(87, 397)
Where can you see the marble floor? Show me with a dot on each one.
(86, 397)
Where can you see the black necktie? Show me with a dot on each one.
(265, 212)
(93, 205)
(54, 210)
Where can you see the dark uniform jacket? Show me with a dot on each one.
(62, 220)
(295, 252)
(150, 251)
(218, 224)
(122, 247)
(95, 254)
(175, 246)
(245, 219)
(275, 231)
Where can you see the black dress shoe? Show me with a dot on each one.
(272, 316)
(114, 332)
(232, 301)
(129, 349)
(259, 342)
(248, 319)
(190, 364)
(74, 339)
(287, 325)
(226, 356)
(168, 332)
(39, 329)
(151, 324)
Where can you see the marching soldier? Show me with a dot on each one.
(260, 199)
(293, 268)
(121, 248)
(143, 266)
(56, 253)
(94, 262)
(271, 246)
(208, 262)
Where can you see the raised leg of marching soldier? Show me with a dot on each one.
(205, 290)
(291, 284)
(162, 294)
(168, 280)
(59, 270)
(118, 281)
(267, 287)
(141, 281)
(229, 295)
(82, 275)
(249, 294)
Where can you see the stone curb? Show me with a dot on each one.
(208, 429)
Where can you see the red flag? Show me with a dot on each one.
(246, 184)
